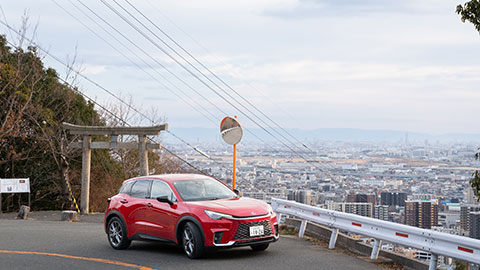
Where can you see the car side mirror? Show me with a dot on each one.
(164, 199)
(236, 192)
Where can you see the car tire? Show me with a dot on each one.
(260, 247)
(192, 241)
(117, 234)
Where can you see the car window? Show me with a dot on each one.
(160, 188)
(202, 190)
(126, 187)
(141, 189)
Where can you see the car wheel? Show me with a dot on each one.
(192, 241)
(117, 234)
(259, 247)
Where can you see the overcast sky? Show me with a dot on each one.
(370, 64)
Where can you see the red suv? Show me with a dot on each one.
(194, 211)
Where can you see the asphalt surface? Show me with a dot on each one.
(41, 243)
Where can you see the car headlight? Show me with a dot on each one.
(216, 215)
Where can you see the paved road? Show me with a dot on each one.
(79, 245)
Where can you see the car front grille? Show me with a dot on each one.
(243, 230)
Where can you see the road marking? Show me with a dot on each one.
(78, 258)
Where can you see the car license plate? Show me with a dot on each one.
(256, 230)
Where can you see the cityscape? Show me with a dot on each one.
(420, 184)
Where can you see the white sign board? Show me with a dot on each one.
(15, 185)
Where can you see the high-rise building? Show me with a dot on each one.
(422, 214)
(393, 198)
(381, 212)
(465, 211)
(474, 230)
(361, 198)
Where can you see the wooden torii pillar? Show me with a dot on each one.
(86, 144)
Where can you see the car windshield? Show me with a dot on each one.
(202, 190)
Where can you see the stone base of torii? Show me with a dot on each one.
(87, 145)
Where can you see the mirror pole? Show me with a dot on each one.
(234, 162)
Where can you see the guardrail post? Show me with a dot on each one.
(375, 249)
(279, 217)
(333, 239)
(303, 226)
(433, 262)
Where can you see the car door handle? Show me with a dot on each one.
(149, 205)
(124, 201)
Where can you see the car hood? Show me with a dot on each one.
(238, 207)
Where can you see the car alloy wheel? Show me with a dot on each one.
(117, 234)
(188, 242)
(192, 241)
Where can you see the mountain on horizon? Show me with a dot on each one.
(324, 134)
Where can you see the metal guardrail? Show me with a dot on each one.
(436, 243)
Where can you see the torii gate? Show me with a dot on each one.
(86, 144)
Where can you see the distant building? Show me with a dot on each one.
(362, 209)
(448, 219)
(393, 198)
(301, 196)
(278, 195)
(256, 195)
(423, 255)
(465, 211)
(471, 196)
(361, 198)
(381, 212)
(421, 197)
(422, 214)
(474, 230)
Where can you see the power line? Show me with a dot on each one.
(177, 77)
(121, 53)
(209, 70)
(116, 97)
(105, 109)
(188, 62)
(157, 62)
(209, 53)
(197, 77)
(133, 62)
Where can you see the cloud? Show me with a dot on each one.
(89, 69)
(312, 71)
(303, 9)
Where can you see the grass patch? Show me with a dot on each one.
(287, 230)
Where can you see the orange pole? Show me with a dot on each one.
(234, 164)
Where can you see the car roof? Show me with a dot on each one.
(173, 177)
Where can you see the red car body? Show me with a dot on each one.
(150, 219)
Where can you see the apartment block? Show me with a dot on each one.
(421, 213)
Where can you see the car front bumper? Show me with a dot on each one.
(235, 232)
